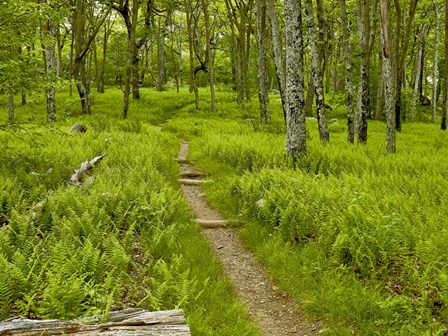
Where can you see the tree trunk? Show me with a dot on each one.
(72, 58)
(135, 73)
(317, 73)
(418, 87)
(59, 47)
(445, 102)
(181, 63)
(363, 92)
(388, 77)
(278, 52)
(190, 32)
(380, 89)
(263, 95)
(435, 76)
(131, 26)
(209, 52)
(11, 105)
(401, 50)
(23, 98)
(161, 79)
(97, 67)
(81, 45)
(50, 68)
(103, 61)
(348, 73)
(309, 96)
(295, 113)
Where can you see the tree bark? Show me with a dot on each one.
(161, 68)
(445, 102)
(316, 70)
(50, 68)
(295, 113)
(239, 14)
(11, 105)
(102, 67)
(278, 53)
(132, 50)
(418, 86)
(380, 89)
(388, 77)
(263, 95)
(348, 73)
(435, 76)
(82, 43)
(209, 52)
(190, 32)
(400, 58)
(363, 91)
(309, 96)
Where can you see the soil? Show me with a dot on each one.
(273, 309)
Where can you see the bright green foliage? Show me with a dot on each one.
(124, 238)
(356, 234)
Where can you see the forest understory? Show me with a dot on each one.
(355, 235)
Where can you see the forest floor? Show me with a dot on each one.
(273, 309)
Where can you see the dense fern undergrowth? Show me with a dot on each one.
(357, 235)
(125, 238)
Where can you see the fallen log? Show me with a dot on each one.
(133, 321)
(211, 224)
(192, 182)
(86, 166)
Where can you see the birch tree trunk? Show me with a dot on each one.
(445, 102)
(348, 73)
(388, 77)
(317, 73)
(435, 76)
(278, 52)
(263, 95)
(295, 113)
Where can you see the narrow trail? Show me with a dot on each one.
(271, 308)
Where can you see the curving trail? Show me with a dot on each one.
(273, 309)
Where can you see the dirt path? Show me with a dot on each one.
(274, 310)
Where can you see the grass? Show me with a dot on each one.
(125, 238)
